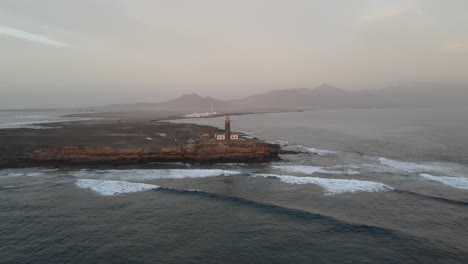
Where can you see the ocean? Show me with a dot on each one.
(370, 186)
(33, 119)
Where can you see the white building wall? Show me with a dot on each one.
(223, 137)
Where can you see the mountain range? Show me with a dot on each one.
(323, 97)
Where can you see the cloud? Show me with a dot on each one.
(31, 37)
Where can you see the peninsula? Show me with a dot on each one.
(109, 142)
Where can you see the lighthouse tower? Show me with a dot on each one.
(227, 128)
(227, 132)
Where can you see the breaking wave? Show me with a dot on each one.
(314, 169)
(32, 172)
(150, 174)
(246, 134)
(333, 186)
(282, 143)
(455, 182)
(321, 152)
(425, 167)
(109, 188)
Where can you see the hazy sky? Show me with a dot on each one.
(56, 53)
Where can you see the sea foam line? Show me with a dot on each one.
(28, 172)
(314, 169)
(109, 188)
(455, 182)
(333, 186)
(409, 166)
(321, 152)
(150, 174)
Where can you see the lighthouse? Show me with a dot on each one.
(227, 128)
(227, 132)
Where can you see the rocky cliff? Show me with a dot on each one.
(211, 151)
(123, 141)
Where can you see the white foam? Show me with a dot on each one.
(37, 124)
(333, 186)
(193, 190)
(246, 134)
(141, 174)
(451, 169)
(374, 168)
(407, 166)
(365, 168)
(32, 172)
(321, 152)
(455, 182)
(282, 143)
(108, 188)
(314, 169)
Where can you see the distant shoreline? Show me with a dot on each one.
(169, 115)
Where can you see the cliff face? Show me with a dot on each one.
(235, 151)
(122, 142)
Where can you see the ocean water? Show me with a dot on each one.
(33, 119)
(370, 186)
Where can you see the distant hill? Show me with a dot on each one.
(192, 103)
(187, 103)
(323, 97)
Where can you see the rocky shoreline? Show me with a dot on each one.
(109, 143)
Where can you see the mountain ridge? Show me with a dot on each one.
(324, 96)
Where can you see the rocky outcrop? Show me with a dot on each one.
(235, 150)
(210, 151)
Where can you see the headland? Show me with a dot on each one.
(110, 142)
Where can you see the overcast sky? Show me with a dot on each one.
(56, 53)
